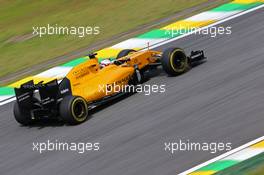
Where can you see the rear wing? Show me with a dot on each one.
(24, 94)
(48, 94)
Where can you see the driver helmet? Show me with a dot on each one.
(105, 62)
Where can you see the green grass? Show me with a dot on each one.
(17, 17)
(258, 171)
(252, 166)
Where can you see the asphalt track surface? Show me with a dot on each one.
(221, 100)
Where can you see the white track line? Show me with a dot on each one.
(7, 101)
(182, 36)
(223, 156)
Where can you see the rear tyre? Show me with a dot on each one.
(124, 52)
(174, 61)
(22, 116)
(73, 110)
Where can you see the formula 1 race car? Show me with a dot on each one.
(81, 90)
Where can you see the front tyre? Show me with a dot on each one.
(73, 110)
(174, 61)
(21, 115)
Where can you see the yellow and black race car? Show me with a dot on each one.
(72, 98)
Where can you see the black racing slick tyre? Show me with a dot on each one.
(73, 110)
(22, 116)
(174, 61)
(124, 52)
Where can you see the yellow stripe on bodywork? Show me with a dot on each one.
(35, 79)
(184, 24)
